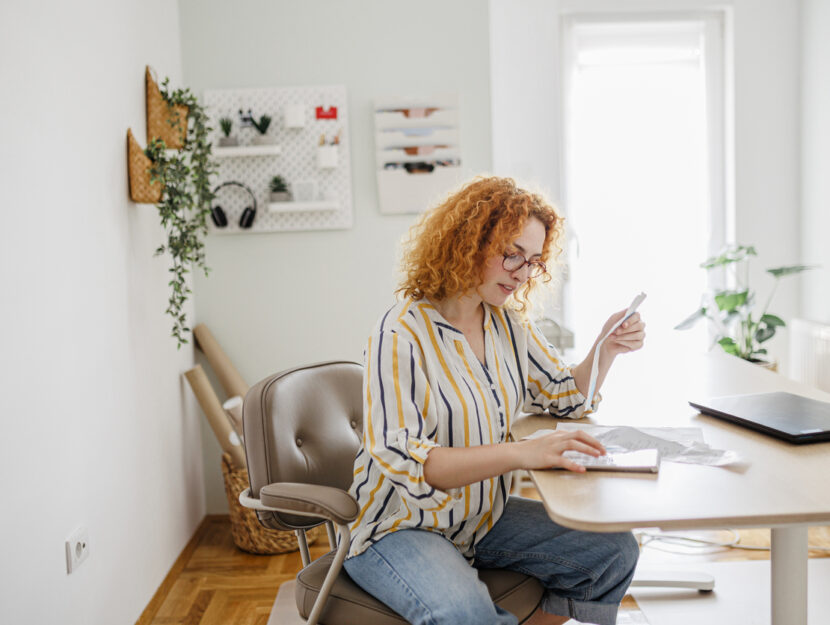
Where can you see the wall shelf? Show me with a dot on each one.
(246, 150)
(302, 207)
(295, 155)
(410, 131)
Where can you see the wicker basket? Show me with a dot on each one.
(165, 122)
(247, 532)
(138, 166)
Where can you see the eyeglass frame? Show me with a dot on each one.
(530, 263)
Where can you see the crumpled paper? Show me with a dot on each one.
(673, 444)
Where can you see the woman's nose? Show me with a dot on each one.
(522, 273)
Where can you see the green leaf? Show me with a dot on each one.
(186, 198)
(780, 272)
(691, 320)
(728, 301)
(772, 320)
(764, 333)
(729, 346)
(729, 254)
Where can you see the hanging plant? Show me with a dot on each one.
(184, 207)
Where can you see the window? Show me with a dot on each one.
(645, 175)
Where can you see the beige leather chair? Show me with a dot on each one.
(302, 430)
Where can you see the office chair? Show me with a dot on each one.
(302, 430)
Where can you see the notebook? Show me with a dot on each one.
(785, 416)
(640, 461)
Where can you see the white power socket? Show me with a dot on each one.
(77, 548)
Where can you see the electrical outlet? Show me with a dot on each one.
(77, 549)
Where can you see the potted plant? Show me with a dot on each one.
(262, 125)
(185, 200)
(279, 190)
(226, 141)
(738, 330)
(165, 120)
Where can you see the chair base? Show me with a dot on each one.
(660, 578)
(284, 611)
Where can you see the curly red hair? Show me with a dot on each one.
(446, 250)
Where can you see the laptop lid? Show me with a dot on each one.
(789, 417)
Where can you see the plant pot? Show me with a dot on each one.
(160, 115)
(263, 140)
(766, 364)
(228, 142)
(141, 189)
(280, 196)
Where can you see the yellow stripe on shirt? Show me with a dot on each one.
(397, 376)
(544, 348)
(542, 391)
(368, 425)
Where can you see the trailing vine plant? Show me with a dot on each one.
(184, 207)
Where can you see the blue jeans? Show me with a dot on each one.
(424, 578)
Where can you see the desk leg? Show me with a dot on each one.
(789, 575)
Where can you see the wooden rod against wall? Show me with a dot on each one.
(218, 420)
(229, 377)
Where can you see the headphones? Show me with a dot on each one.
(217, 213)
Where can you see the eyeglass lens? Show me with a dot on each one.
(514, 262)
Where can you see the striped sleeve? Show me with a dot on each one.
(397, 420)
(550, 384)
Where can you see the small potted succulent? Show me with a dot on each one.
(279, 190)
(226, 141)
(262, 125)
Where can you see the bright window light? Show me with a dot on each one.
(638, 175)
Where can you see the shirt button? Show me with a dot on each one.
(493, 386)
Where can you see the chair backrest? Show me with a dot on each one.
(303, 425)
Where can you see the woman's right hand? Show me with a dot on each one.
(545, 452)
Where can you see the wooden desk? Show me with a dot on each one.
(785, 487)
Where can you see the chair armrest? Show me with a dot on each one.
(328, 502)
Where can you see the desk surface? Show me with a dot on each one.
(784, 483)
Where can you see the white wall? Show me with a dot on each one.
(525, 52)
(97, 428)
(282, 299)
(815, 159)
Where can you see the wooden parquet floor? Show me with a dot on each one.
(212, 582)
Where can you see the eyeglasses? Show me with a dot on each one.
(514, 262)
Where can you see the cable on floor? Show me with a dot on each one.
(646, 539)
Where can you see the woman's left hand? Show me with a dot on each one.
(628, 337)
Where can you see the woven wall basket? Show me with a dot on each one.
(162, 118)
(247, 532)
(138, 165)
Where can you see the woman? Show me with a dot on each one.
(448, 369)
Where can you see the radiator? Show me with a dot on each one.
(810, 353)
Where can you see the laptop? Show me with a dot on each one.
(785, 416)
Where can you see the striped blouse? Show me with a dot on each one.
(424, 387)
